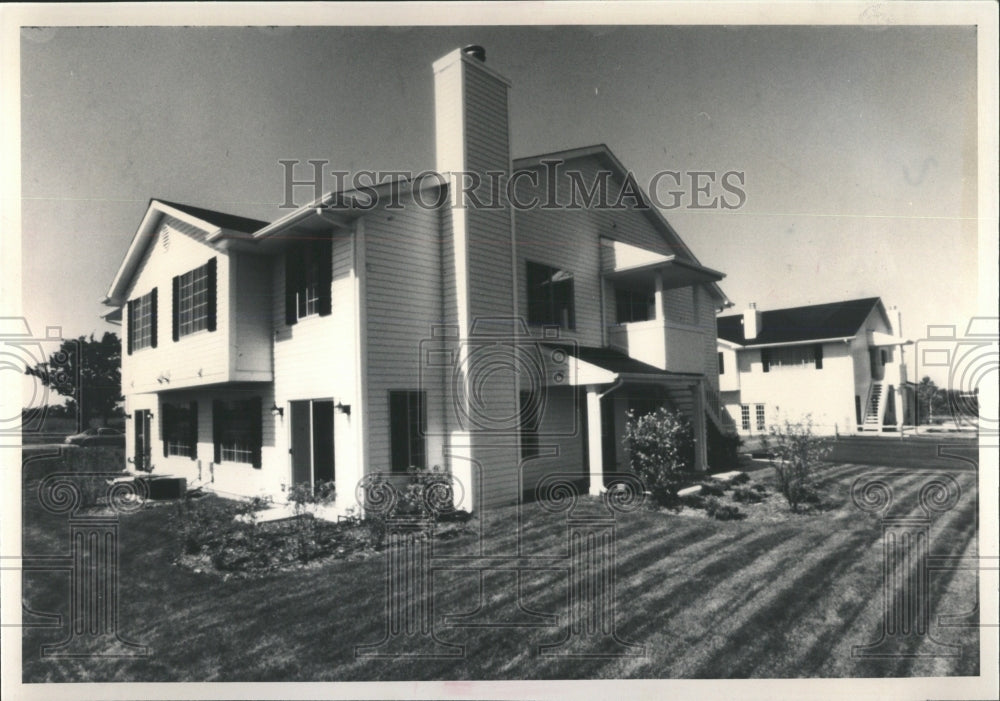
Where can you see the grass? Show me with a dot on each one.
(774, 595)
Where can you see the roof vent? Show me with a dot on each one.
(475, 51)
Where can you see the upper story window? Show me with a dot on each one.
(194, 300)
(792, 357)
(634, 304)
(308, 273)
(142, 322)
(550, 296)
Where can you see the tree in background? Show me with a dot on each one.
(931, 401)
(88, 373)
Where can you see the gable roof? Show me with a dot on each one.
(801, 324)
(609, 160)
(219, 219)
(203, 225)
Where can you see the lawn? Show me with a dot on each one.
(772, 595)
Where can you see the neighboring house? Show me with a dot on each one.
(840, 363)
(337, 342)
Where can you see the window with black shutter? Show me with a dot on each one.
(237, 431)
(818, 351)
(765, 359)
(180, 429)
(142, 322)
(308, 277)
(194, 300)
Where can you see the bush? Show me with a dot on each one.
(748, 495)
(661, 452)
(711, 488)
(723, 512)
(742, 478)
(723, 449)
(302, 495)
(797, 453)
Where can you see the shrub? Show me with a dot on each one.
(748, 495)
(723, 449)
(711, 488)
(742, 478)
(661, 452)
(723, 512)
(693, 501)
(302, 495)
(796, 453)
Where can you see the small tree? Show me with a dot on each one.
(87, 372)
(661, 452)
(795, 456)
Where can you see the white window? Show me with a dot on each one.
(192, 301)
(141, 321)
(761, 423)
(745, 416)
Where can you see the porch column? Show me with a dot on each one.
(698, 425)
(594, 449)
(658, 297)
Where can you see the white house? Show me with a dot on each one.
(359, 335)
(840, 363)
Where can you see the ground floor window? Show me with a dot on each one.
(407, 429)
(761, 423)
(745, 416)
(180, 429)
(236, 426)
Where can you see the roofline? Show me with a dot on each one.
(808, 306)
(810, 342)
(322, 203)
(155, 211)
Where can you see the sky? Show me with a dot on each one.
(858, 145)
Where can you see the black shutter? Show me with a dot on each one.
(218, 422)
(153, 319)
(166, 426)
(765, 359)
(211, 274)
(193, 437)
(256, 408)
(292, 274)
(128, 326)
(819, 356)
(175, 298)
(325, 277)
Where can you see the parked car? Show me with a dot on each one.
(97, 436)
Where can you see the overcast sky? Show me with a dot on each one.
(858, 145)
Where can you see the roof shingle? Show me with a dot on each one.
(798, 324)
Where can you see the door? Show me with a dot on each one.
(311, 441)
(141, 455)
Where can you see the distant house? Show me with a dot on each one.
(841, 363)
(341, 341)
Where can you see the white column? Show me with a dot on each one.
(594, 448)
(659, 298)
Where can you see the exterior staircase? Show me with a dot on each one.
(874, 409)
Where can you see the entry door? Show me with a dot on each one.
(142, 447)
(312, 441)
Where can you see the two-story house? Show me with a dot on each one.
(840, 363)
(362, 334)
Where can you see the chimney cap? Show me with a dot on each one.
(753, 305)
(475, 51)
